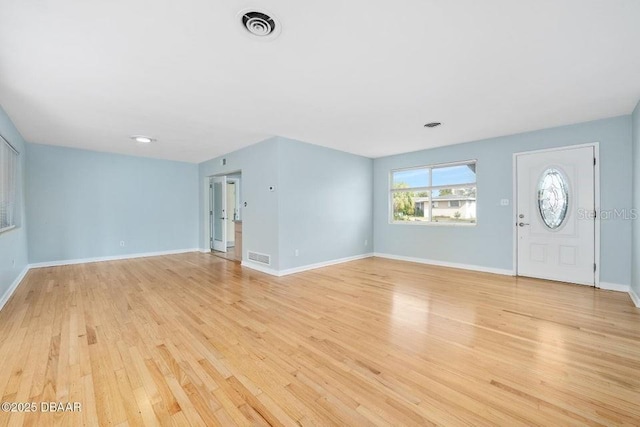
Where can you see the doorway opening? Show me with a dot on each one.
(557, 198)
(225, 216)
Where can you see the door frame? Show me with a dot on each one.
(221, 179)
(596, 185)
(206, 194)
(237, 183)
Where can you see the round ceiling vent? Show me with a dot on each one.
(260, 23)
(432, 124)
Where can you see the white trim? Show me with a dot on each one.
(11, 227)
(110, 258)
(7, 295)
(596, 202)
(514, 210)
(436, 223)
(237, 207)
(204, 250)
(259, 267)
(280, 273)
(596, 178)
(220, 245)
(634, 297)
(207, 220)
(323, 264)
(561, 148)
(614, 287)
(479, 268)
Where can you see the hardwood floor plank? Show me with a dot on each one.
(192, 339)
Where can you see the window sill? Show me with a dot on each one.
(435, 224)
(2, 230)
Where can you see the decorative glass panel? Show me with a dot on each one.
(553, 198)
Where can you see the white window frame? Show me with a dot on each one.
(429, 189)
(9, 158)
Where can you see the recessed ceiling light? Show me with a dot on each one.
(142, 139)
(432, 124)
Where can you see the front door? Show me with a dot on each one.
(555, 215)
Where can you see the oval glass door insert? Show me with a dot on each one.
(553, 198)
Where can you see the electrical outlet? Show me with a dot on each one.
(296, 253)
(366, 242)
(504, 202)
(122, 243)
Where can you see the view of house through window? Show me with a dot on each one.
(439, 193)
(8, 183)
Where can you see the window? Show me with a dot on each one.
(8, 184)
(416, 194)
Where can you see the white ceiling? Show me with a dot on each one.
(360, 76)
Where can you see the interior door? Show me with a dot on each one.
(556, 221)
(220, 213)
(231, 216)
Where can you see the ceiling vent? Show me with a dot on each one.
(260, 23)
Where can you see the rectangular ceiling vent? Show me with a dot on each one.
(261, 258)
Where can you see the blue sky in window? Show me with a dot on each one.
(452, 175)
(413, 177)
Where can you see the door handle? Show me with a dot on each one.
(522, 224)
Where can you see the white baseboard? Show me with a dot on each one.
(110, 258)
(13, 287)
(614, 287)
(634, 297)
(280, 273)
(261, 268)
(323, 264)
(479, 268)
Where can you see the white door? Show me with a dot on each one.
(231, 216)
(219, 211)
(555, 215)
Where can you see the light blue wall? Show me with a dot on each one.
(81, 204)
(325, 208)
(322, 203)
(490, 243)
(13, 243)
(259, 166)
(635, 263)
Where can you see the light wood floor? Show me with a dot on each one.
(194, 339)
(229, 255)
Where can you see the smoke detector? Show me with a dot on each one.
(260, 23)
